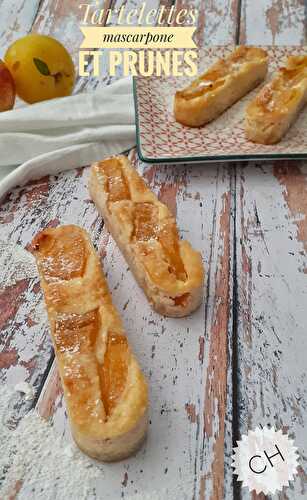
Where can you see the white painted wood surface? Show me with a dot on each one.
(271, 244)
(16, 20)
(277, 22)
(272, 297)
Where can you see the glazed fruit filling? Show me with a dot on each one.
(247, 54)
(76, 335)
(145, 221)
(276, 96)
(182, 300)
(145, 217)
(215, 78)
(117, 186)
(206, 84)
(280, 92)
(168, 237)
(146, 228)
(113, 374)
(279, 99)
(295, 71)
(64, 258)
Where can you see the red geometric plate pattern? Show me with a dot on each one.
(161, 138)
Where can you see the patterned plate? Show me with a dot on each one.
(160, 139)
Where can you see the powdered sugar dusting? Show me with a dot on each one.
(26, 389)
(153, 495)
(16, 264)
(37, 463)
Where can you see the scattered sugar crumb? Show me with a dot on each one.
(16, 264)
(26, 389)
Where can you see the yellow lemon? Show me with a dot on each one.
(41, 67)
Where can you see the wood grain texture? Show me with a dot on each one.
(271, 261)
(280, 22)
(61, 20)
(16, 20)
(271, 226)
(217, 21)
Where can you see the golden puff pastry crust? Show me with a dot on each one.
(223, 84)
(275, 108)
(168, 269)
(105, 391)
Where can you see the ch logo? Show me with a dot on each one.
(257, 463)
(265, 460)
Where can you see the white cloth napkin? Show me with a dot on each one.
(60, 134)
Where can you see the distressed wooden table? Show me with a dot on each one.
(240, 360)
